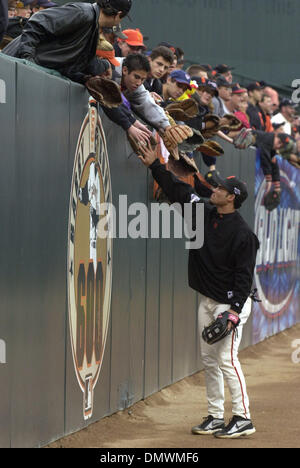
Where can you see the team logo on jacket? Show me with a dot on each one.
(278, 233)
(89, 257)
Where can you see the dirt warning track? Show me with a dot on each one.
(164, 420)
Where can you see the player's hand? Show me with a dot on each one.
(142, 127)
(157, 98)
(230, 325)
(146, 154)
(139, 134)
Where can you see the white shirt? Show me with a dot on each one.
(279, 118)
(227, 111)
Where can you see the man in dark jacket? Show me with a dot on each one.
(255, 93)
(222, 273)
(65, 38)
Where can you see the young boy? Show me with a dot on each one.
(135, 70)
(160, 59)
(176, 85)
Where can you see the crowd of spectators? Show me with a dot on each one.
(17, 13)
(153, 78)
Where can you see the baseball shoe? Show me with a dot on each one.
(237, 427)
(209, 426)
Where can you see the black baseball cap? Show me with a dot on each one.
(236, 89)
(234, 186)
(168, 45)
(254, 86)
(263, 84)
(223, 68)
(118, 5)
(207, 67)
(116, 30)
(278, 125)
(284, 138)
(289, 144)
(207, 84)
(221, 81)
(287, 102)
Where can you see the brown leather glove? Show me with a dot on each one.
(183, 110)
(230, 123)
(211, 148)
(212, 125)
(184, 167)
(105, 91)
(175, 135)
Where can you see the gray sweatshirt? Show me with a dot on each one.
(143, 104)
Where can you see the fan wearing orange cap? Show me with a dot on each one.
(134, 44)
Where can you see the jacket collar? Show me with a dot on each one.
(97, 11)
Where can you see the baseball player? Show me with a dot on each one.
(222, 272)
(91, 195)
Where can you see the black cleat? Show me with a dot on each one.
(238, 427)
(209, 426)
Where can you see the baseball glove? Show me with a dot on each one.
(212, 125)
(218, 330)
(175, 135)
(192, 143)
(212, 178)
(289, 148)
(211, 148)
(183, 110)
(105, 91)
(230, 123)
(184, 167)
(272, 200)
(244, 139)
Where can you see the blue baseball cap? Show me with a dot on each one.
(181, 77)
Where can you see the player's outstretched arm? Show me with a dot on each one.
(176, 190)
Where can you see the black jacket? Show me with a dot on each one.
(121, 116)
(3, 18)
(255, 117)
(223, 268)
(15, 26)
(154, 85)
(64, 39)
(268, 161)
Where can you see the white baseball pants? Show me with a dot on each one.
(221, 362)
